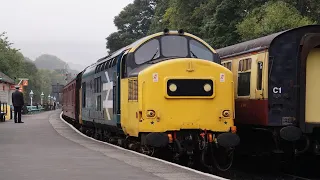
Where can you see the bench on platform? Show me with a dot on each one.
(34, 109)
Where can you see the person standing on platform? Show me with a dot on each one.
(18, 102)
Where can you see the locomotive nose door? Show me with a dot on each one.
(313, 86)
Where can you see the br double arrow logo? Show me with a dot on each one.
(108, 103)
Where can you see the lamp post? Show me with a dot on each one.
(42, 96)
(49, 97)
(31, 96)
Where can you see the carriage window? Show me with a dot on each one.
(259, 77)
(174, 46)
(227, 65)
(244, 74)
(198, 50)
(148, 51)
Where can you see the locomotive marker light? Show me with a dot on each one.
(31, 96)
(181, 31)
(166, 31)
(42, 96)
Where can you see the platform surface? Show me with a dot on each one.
(45, 148)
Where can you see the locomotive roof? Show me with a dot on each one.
(252, 45)
(133, 46)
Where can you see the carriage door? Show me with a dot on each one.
(312, 86)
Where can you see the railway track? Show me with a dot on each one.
(254, 170)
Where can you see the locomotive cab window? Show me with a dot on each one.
(198, 50)
(147, 52)
(174, 46)
(244, 74)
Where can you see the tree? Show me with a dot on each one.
(133, 23)
(15, 65)
(270, 18)
(158, 23)
(180, 15)
(118, 40)
(220, 18)
(309, 8)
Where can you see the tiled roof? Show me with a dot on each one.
(5, 78)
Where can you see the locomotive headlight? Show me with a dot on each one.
(226, 113)
(172, 87)
(207, 87)
(151, 113)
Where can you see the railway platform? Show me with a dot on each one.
(46, 148)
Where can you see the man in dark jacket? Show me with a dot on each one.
(18, 102)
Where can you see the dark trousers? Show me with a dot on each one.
(17, 111)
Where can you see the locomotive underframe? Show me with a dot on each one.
(187, 147)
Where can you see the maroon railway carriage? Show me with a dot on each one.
(69, 100)
(277, 91)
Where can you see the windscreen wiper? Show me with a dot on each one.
(154, 55)
(194, 54)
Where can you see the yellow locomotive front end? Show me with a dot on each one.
(185, 93)
(185, 101)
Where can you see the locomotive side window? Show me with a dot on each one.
(95, 85)
(106, 65)
(244, 74)
(84, 94)
(259, 77)
(148, 51)
(174, 46)
(198, 50)
(99, 84)
(99, 103)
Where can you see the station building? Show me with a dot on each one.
(7, 87)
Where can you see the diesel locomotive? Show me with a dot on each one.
(276, 91)
(166, 92)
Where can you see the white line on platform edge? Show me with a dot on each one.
(143, 155)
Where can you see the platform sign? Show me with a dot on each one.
(12, 87)
(25, 82)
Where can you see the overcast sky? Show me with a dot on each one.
(73, 30)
